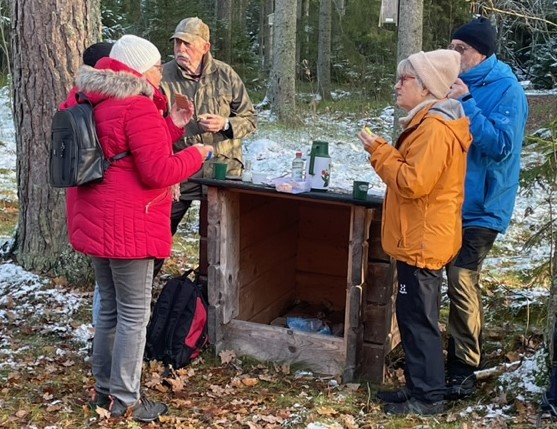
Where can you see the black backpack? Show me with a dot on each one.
(177, 331)
(76, 156)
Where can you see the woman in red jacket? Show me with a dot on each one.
(123, 223)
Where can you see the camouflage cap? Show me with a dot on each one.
(189, 28)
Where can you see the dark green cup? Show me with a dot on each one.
(359, 190)
(220, 169)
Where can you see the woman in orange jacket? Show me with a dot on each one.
(424, 173)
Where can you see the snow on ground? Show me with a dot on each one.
(8, 188)
(271, 151)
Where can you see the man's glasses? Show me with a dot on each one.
(404, 78)
(459, 48)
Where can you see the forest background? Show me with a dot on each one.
(363, 46)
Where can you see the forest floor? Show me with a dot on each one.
(48, 381)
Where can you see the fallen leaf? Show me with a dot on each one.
(176, 383)
(325, 411)
(266, 377)
(103, 413)
(21, 413)
(155, 380)
(60, 281)
(512, 356)
(250, 381)
(227, 356)
(349, 421)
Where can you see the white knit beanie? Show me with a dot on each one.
(137, 53)
(437, 70)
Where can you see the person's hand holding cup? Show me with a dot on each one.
(205, 150)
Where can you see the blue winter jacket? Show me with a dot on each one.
(497, 110)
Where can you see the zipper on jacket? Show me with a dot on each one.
(156, 200)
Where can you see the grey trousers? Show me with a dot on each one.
(125, 304)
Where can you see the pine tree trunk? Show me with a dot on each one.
(48, 40)
(410, 34)
(282, 87)
(324, 50)
(266, 34)
(224, 19)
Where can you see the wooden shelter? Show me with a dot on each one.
(269, 254)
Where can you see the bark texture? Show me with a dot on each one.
(282, 87)
(48, 39)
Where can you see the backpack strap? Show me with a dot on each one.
(80, 96)
(119, 156)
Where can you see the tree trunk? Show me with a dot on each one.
(47, 49)
(299, 29)
(410, 33)
(282, 86)
(324, 50)
(224, 22)
(266, 34)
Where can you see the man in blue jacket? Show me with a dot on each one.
(496, 105)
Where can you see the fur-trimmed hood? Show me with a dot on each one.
(112, 79)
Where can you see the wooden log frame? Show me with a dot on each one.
(381, 332)
(324, 354)
(357, 261)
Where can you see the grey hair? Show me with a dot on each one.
(405, 68)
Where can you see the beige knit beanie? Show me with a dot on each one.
(137, 53)
(437, 70)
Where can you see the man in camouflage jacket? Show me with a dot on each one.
(223, 113)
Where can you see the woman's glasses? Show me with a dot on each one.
(404, 78)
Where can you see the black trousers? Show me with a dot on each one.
(179, 209)
(417, 313)
(552, 392)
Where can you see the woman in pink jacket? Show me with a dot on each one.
(123, 223)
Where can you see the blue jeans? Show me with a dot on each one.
(118, 346)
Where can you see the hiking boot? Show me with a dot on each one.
(394, 396)
(415, 406)
(144, 410)
(460, 387)
(99, 399)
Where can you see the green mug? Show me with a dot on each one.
(359, 190)
(220, 169)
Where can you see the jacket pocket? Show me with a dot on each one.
(158, 200)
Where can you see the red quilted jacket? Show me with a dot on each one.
(127, 216)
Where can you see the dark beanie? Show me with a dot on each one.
(95, 52)
(478, 33)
